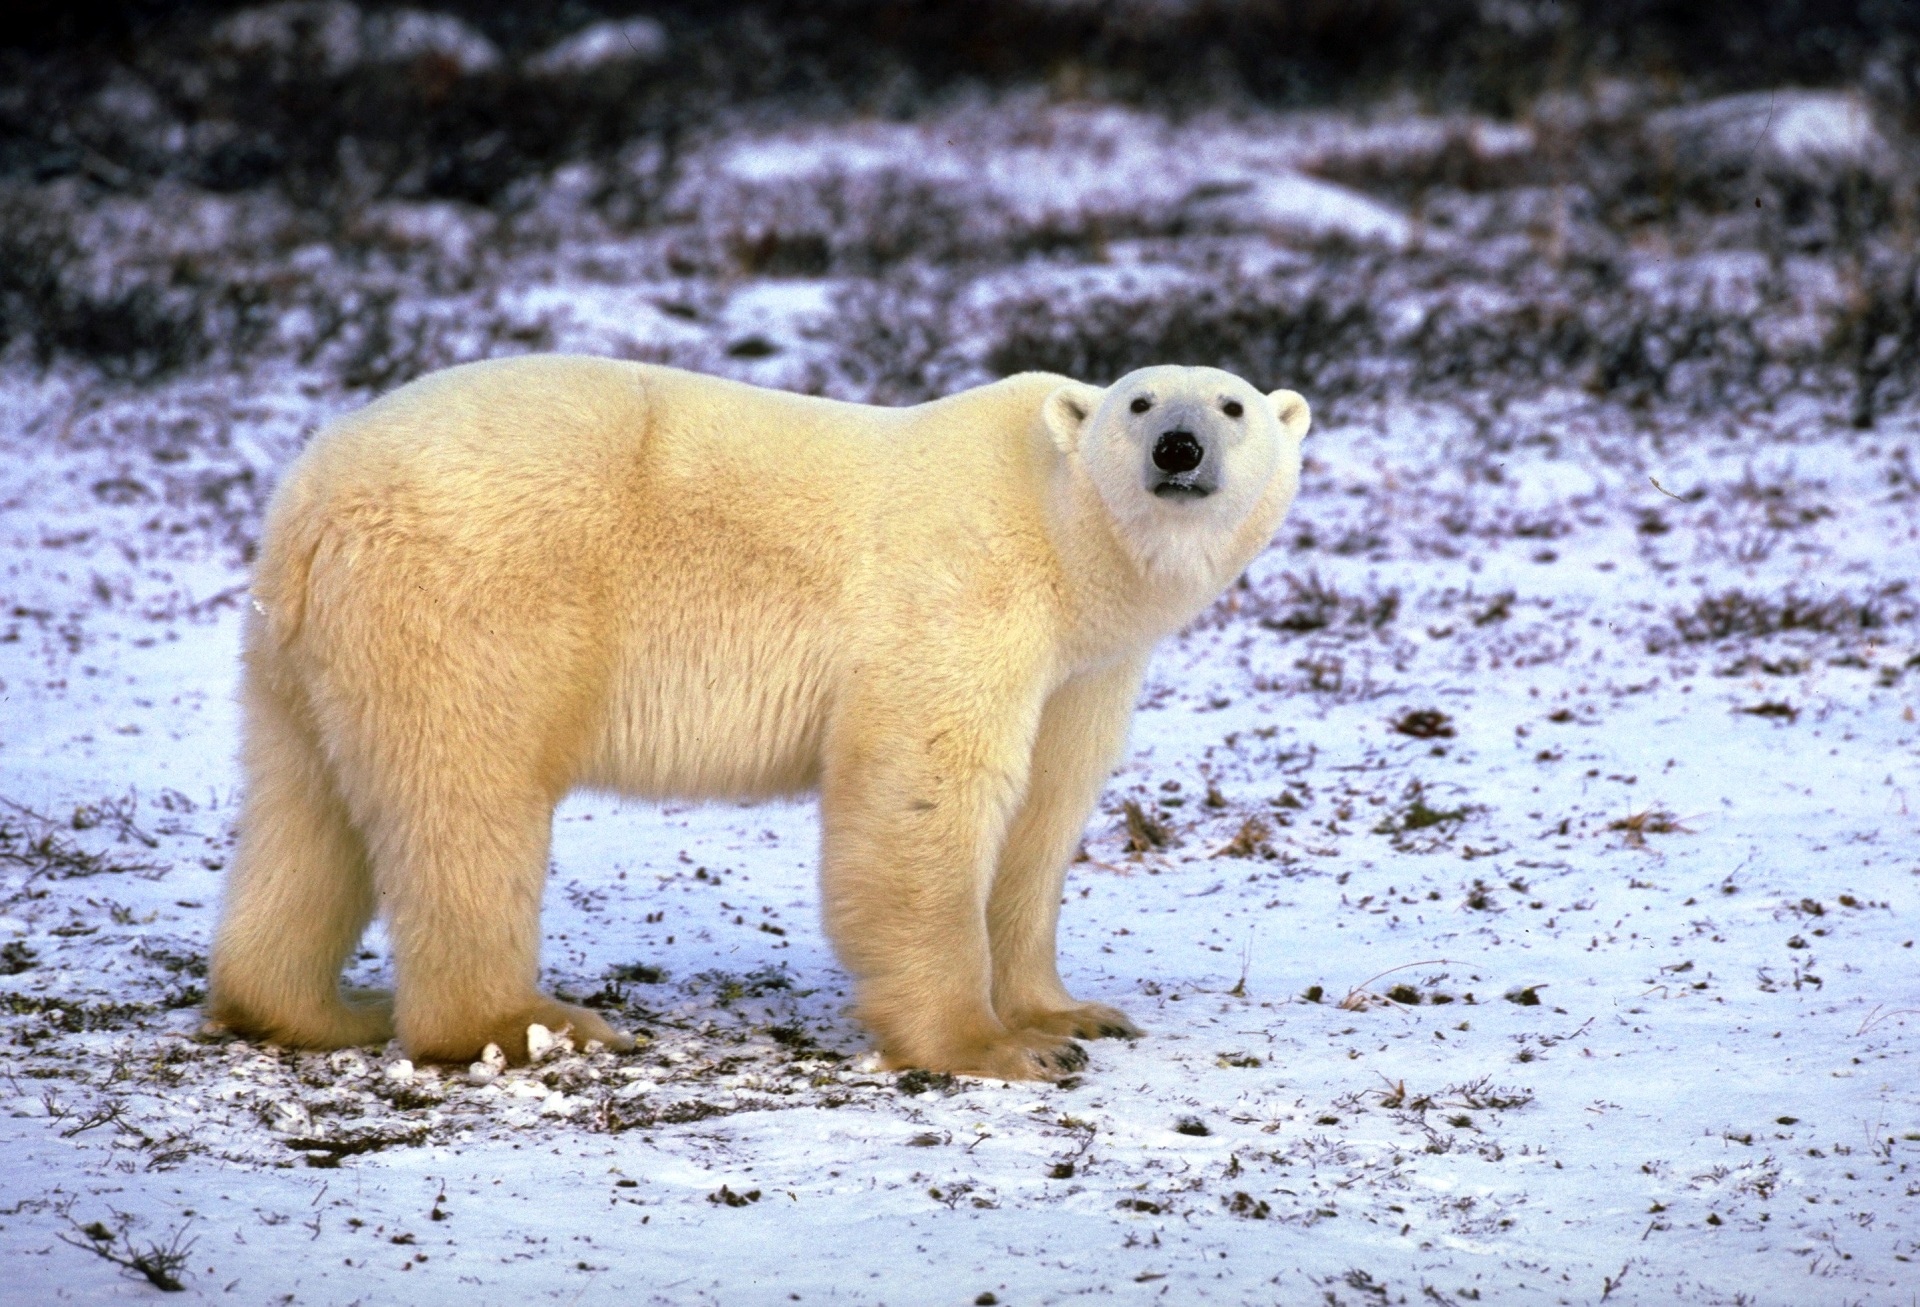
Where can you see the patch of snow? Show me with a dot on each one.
(449, 228)
(1083, 162)
(600, 45)
(403, 35)
(1696, 851)
(1804, 133)
(1300, 208)
(326, 31)
(339, 37)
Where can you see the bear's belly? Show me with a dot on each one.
(695, 727)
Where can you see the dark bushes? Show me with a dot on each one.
(1880, 335)
(870, 222)
(1325, 329)
(1587, 327)
(130, 326)
(430, 125)
(1736, 613)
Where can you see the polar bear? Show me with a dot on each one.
(514, 578)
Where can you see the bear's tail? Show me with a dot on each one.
(282, 576)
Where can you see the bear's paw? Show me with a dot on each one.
(1082, 1021)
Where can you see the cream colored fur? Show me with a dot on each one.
(511, 579)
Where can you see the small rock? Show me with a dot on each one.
(543, 1043)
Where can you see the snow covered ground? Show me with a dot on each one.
(1517, 876)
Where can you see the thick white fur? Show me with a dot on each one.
(510, 579)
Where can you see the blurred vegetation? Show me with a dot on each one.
(419, 129)
(125, 127)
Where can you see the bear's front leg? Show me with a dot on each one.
(922, 771)
(1082, 731)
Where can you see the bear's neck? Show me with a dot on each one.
(1122, 598)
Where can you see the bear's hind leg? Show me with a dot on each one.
(460, 880)
(298, 896)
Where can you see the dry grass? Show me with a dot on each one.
(1250, 841)
(1425, 724)
(1648, 821)
(1416, 826)
(1145, 833)
(1737, 614)
(39, 844)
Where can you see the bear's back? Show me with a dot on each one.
(604, 474)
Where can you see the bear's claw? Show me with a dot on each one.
(1068, 1057)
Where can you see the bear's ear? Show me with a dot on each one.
(1066, 412)
(1291, 408)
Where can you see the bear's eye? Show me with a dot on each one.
(1232, 408)
(1141, 405)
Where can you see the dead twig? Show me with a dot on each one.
(1876, 1016)
(160, 1265)
(1359, 998)
(101, 1115)
(1239, 989)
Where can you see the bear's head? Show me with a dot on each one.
(1181, 457)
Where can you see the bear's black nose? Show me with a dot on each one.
(1177, 452)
